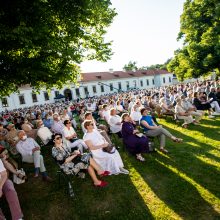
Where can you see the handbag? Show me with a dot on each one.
(17, 179)
(73, 140)
(109, 149)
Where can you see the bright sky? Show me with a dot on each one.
(144, 31)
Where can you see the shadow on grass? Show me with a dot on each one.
(119, 200)
(177, 193)
(184, 158)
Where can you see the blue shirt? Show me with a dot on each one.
(149, 120)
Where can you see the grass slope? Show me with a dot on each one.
(185, 184)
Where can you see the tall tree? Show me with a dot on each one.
(131, 66)
(43, 41)
(200, 30)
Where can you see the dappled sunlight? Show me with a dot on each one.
(209, 126)
(209, 161)
(157, 207)
(214, 153)
(195, 135)
(205, 194)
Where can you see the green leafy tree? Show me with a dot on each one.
(43, 41)
(131, 66)
(157, 66)
(200, 30)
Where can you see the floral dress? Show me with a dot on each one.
(75, 167)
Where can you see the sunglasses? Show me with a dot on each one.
(69, 122)
(58, 138)
(92, 124)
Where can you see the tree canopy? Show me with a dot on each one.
(131, 66)
(43, 41)
(200, 31)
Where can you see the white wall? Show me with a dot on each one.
(13, 99)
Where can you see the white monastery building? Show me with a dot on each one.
(91, 84)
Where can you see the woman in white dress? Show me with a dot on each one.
(96, 142)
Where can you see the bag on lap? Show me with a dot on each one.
(109, 149)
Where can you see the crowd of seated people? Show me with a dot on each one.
(126, 114)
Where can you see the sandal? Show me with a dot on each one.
(21, 176)
(163, 150)
(140, 158)
(184, 125)
(178, 140)
(105, 173)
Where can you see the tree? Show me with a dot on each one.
(157, 66)
(131, 66)
(43, 41)
(200, 30)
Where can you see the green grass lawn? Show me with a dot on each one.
(185, 184)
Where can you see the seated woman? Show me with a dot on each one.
(134, 144)
(96, 142)
(165, 109)
(152, 130)
(29, 129)
(101, 128)
(202, 105)
(182, 114)
(73, 163)
(8, 190)
(70, 137)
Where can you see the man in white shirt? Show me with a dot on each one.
(7, 189)
(106, 113)
(30, 152)
(136, 115)
(44, 133)
(115, 122)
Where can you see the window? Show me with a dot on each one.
(86, 91)
(77, 92)
(147, 81)
(102, 88)
(164, 80)
(4, 102)
(34, 97)
(119, 85)
(127, 85)
(153, 81)
(135, 83)
(170, 79)
(111, 87)
(56, 93)
(46, 96)
(141, 82)
(94, 89)
(21, 99)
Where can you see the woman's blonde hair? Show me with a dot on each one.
(87, 123)
(123, 116)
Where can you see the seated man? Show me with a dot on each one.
(44, 133)
(115, 122)
(30, 152)
(190, 108)
(12, 138)
(7, 189)
(3, 132)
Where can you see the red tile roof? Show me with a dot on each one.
(98, 76)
